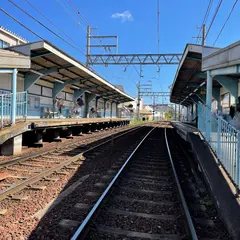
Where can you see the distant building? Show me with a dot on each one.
(120, 87)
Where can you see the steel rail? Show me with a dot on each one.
(18, 187)
(52, 149)
(86, 221)
(184, 204)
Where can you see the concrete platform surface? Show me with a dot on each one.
(52, 122)
(184, 129)
(19, 128)
(12, 131)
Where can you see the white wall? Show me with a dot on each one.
(6, 82)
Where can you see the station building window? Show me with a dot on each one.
(4, 44)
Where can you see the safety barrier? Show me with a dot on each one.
(6, 107)
(224, 141)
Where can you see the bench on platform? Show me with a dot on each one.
(47, 112)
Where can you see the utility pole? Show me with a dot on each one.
(153, 107)
(203, 37)
(138, 101)
(203, 34)
(179, 118)
(106, 47)
(88, 45)
(175, 112)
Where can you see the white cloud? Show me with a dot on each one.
(124, 16)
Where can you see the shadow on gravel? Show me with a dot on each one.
(75, 199)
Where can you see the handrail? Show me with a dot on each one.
(6, 103)
(224, 141)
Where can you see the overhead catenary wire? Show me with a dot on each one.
(96, 39)
(210, 26)
(53, 24)
(68, 12)
(81, 17)
(158, 26)
(205, 18)
(9, 15)
(229, 15)
(214, 17)
(20, 23)
(29, 15)
(77, 12)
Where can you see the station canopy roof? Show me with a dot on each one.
(224, 61)
(189, 77)
(63, 68)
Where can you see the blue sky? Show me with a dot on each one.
(137, 34)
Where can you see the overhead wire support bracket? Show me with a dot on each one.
(105, 46)
(151, 94)
(103, 36)
(134, 59)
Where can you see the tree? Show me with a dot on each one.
(168, 115)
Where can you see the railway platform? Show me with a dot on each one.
(223, 188)
(184, 129)
(34, 131)
(206, 89)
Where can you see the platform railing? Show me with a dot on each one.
(224, 141)
(6, 107)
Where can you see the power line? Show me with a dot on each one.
(77, 12)
(24, 26)
(85, 21)
(205, 18)
(68, 12)
(158, 25)
(214, 16)
(8, 14)
(229, 15)
(53, 24)
(208, 11)
(29, 15)
(96, 39)
(81, 18)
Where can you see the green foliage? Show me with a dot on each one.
(168, 115)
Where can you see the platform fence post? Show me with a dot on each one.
(14, 96)
(209, 104)
(219, 139)
(237, 178)
(2, 111)
(26, 104)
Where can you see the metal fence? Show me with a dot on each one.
(6, 107)
(224, 141)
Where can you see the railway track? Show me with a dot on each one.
(75, 141)
(201, 205)
(23, 172)
(25, 210)
(129, 189)
(144, 200)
